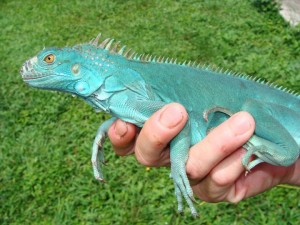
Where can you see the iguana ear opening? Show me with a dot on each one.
(82, 88)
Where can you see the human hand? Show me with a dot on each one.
(214, 166)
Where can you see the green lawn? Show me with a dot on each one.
(46, 138)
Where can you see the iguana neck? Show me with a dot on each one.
(99, 100)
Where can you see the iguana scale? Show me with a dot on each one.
(132, 87)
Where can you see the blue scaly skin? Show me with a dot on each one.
(132, 87)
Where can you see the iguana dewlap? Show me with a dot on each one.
(132, 87)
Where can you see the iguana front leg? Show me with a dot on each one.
(97, 152)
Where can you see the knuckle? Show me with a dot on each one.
(223, 148)
(144, 160)
(194, 173)
(219, 145)
(150, 153)
(156, 141)
(219, 179)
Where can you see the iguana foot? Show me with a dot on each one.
(246, 160)
(97, 151)
(183, 187)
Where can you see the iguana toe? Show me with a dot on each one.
(183, 188)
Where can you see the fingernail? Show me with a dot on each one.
(170, 117)
(120, 128)
(239, 124)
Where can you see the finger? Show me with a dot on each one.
(219, 143)
(261, 178)
(228, 171)
(122, 136)
(152, 143)
(220, 181)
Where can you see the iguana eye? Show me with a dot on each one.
(49, 58)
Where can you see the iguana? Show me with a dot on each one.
(132, 87)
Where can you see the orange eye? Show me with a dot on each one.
(49, 58)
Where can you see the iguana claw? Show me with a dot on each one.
(101, 180)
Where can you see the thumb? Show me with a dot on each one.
(122, 136)
(152, 144)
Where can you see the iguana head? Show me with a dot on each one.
(75, 69)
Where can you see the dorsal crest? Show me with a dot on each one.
(118, 49)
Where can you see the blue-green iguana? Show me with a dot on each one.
(132, 87)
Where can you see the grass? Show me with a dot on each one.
(46, 137)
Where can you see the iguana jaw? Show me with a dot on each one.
(52, 77)
(44, 80)
(28, 72)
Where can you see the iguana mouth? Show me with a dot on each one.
(28, 73)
